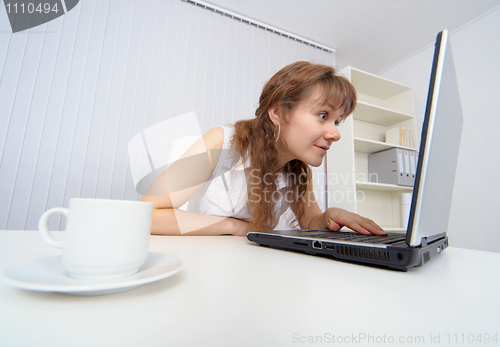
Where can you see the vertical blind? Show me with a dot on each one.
(76, 90)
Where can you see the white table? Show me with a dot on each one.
(231, 292)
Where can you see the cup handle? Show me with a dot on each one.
(43, 226)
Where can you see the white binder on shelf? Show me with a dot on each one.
(396, 166)
(387, 167)
(401, 166)
(413, 166)
(407, 174)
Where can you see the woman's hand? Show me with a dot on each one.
(236, 227)
(336, 218)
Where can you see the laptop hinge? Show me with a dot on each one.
(425, 241)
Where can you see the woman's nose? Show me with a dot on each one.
(333, 133)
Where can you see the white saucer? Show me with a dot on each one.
(49, 275)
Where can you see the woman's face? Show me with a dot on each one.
(310, 130)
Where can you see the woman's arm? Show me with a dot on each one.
(172, 221)
(176, 185)
(335, 218)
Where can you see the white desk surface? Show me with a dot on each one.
(231, 292)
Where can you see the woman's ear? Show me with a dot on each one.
(274, 114)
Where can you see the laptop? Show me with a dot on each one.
(426, 233)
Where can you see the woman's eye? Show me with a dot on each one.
(339, 121)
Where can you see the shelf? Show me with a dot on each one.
(379, 115)
(382, 105)
(370, 146)
(382, 186)
(367, 83)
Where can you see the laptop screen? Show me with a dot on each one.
(438, 154)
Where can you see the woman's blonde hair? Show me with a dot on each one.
(256, 137)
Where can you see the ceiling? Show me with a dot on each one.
(371, 35)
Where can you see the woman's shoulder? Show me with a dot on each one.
(214, 138)
(218, 137)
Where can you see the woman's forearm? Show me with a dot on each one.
(171, 221)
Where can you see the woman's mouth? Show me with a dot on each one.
(324, 149)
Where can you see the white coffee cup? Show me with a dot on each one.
(104, 239)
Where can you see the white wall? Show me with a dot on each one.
(476, 51)
(74, 91)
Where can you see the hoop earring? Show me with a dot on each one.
(279, 132)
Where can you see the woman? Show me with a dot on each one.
(244, 177)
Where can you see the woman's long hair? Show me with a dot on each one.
(256, 137)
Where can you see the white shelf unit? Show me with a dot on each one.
(382, 104)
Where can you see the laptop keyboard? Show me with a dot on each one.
(354, 237)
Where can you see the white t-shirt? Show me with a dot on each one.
(225, 193)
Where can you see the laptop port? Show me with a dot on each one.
(331, 247)
(316, 244)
